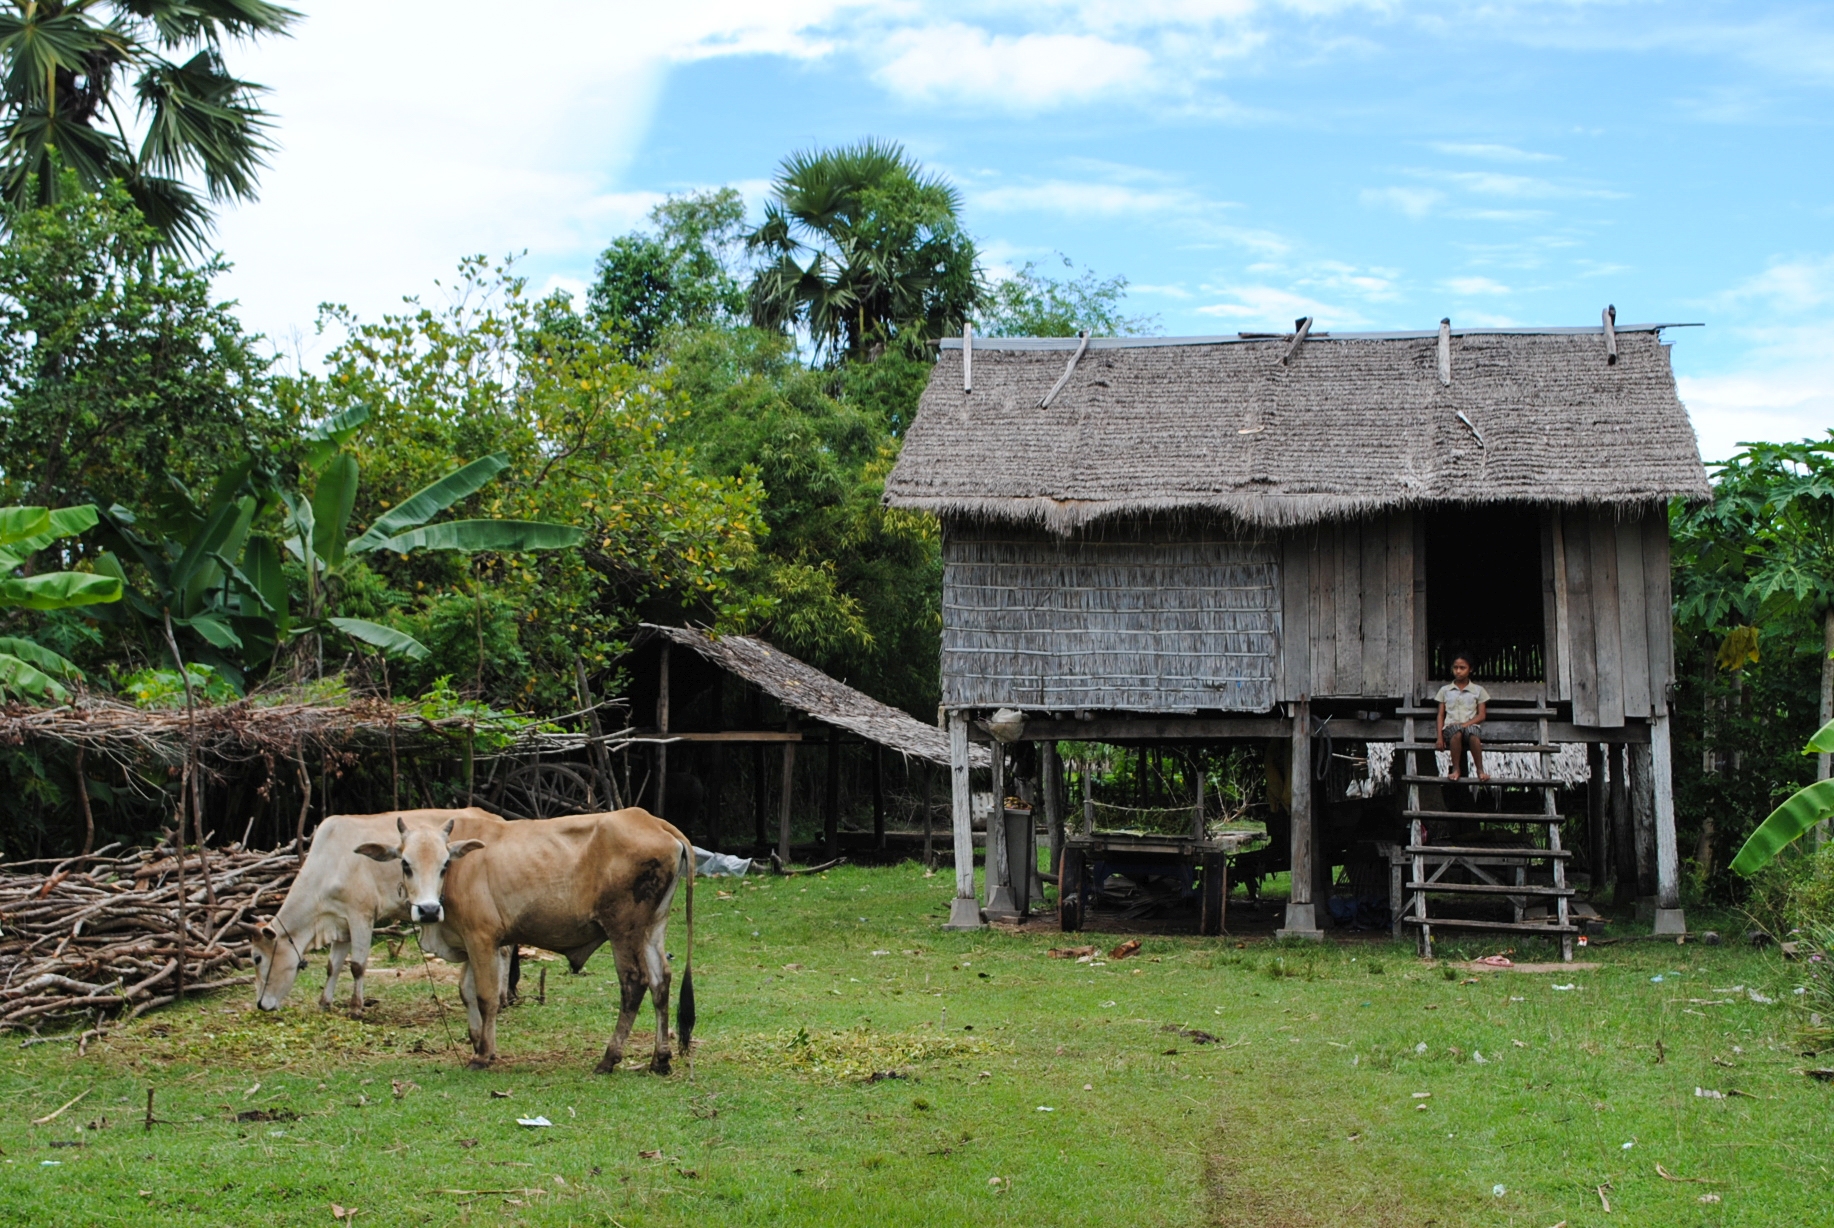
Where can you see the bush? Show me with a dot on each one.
(1794, 892)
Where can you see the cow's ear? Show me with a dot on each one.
(450, 824)
(456, 851)
(401, 825)
(378, 852)
(267, 932)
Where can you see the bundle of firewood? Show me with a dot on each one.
(99, 936)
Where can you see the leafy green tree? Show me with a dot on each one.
(1799, 813)
(1031, 304)
(116, 366)
(861, 248)
(588, 439)
(681, 276)
(839, 579)
(27, 668)
(64, 63)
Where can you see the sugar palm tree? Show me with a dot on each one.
(860, 247)
(64, 65)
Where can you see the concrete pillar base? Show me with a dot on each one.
(1000, 902)
(964, 914)
(1301, 922)
(1670, 921)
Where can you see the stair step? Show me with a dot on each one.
(1478, 816)
(1464, 850)
(1513, 927)
(1519, 748)
(1495, 713)
(1533, 782)
(1489, 889)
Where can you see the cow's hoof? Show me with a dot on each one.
(607, 1065)
(481, 1063)
(659, 1064)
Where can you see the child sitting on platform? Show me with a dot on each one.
(1462, 707)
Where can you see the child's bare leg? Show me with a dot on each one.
(1457, 743)
(1477, 757)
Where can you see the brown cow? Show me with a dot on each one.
(567, 885)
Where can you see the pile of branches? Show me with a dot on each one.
(103, 937)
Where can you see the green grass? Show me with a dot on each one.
(1303, 1114)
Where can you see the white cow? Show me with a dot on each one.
(340, 896)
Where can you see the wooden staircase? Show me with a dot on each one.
(1536, 840)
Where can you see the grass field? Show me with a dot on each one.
(1031, 1091)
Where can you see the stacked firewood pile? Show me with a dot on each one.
(104, 937)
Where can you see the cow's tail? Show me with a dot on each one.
(684, 1004)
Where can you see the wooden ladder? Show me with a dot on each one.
(1517, 857)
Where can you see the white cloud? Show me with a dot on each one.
(1494, 183)
(1492, 153)
(1471, 287)
(1791, 402)
(1028, 72)
(1274, 309)
(1414, 202)
(1789, 285)
(1079, 198)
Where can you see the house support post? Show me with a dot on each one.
(662, 727)
(1669, 917)
(1596, 830)
(1301, 912)
(789, 786)
(831, 801)
(1642, 778)
(1001, 898)
(1051, 768)
(964, 913)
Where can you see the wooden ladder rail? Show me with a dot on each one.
(1551, 809)
(1416, 832)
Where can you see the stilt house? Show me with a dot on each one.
(1237, 536)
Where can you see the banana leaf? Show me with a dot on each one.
(20, 523)
(1804, 808)
(393, 643)
(41, 657)
(63, 522)
(58, 590)
(428, 502)
(332, 500)
(470, 535)
(18, 677)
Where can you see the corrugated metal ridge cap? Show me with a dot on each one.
(1129, 343)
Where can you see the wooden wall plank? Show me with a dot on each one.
(1400, 678)
(1607, 639)
(1580, 647)
(1296, 614)
(1550, 609)
(1633, 627)
(1376, 596)
(1419, 670)
(1658, 607)
(1324, 615)
(1348, 603)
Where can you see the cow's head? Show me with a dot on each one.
(424, 857)
(277, 965)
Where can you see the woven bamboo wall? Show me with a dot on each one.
(1147, 617)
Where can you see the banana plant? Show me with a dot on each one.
(29, 669)
(188, 552)
(1803, 809)
(317, 527)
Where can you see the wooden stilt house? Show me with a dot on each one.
(1241, 536)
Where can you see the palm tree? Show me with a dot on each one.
(60, 113)
(861, 248)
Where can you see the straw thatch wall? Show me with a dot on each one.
(1173, 618)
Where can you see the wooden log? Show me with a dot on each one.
(1301, 914)
(964, 913)
(789, 782)
(1669, 918)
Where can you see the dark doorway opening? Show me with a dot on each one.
(1483, 592)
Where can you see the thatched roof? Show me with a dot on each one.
(812, 693)
(1350, 424)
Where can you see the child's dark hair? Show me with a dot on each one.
(1466, 657)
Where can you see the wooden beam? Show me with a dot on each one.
(662, 726)
(1445, 351)
(831, 796)
(1069, 367)
(1301, 327)
(964, 912)
(736, 735)
(1609, 316)
(1301, 912)
(789, 783)
(1669, 918)
(1128, 730)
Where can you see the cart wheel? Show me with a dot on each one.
(1070, 891)
(1215, 894)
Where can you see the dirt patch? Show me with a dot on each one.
(1478, 965)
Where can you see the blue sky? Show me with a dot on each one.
(1375, 165)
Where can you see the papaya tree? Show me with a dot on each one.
(28, 669)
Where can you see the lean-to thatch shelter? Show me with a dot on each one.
(1248, 532)
(707, 693)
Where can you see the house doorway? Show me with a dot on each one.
(1483, 592)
